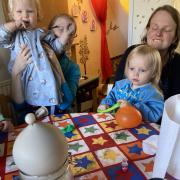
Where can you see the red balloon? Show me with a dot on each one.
(128, 117)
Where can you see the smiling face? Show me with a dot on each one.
(139, 70)
(26, 11)
(161, 33)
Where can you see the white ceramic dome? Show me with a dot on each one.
(40, 149)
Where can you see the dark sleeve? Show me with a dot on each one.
(72, 75)
(73, 78)
(174, 76)
(21, 110)
(121, 67)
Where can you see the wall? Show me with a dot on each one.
(50, 8)
(117, 21)
(117, 39)
(4, 54)
(93, 37)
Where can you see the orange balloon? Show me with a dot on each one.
(128, 117)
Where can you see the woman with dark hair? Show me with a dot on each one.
(162, 33)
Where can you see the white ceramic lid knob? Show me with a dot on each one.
(30, 118)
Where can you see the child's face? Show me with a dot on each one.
(139, 70)
(26, 11)
(63, 25)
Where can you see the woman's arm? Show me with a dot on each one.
(23, 58)
(73, 79)
(72, 75)
(17, 93)
(173, 76)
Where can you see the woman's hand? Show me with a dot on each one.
(22, 59)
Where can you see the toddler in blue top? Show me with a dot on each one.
(41, 85)
(141, 88)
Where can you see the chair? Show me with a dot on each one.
(6, 108)
(86, 97)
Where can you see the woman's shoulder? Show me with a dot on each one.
(174, 61)
(130, 48)
(176, 56)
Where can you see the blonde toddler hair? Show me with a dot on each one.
(38, 6)
(152, 55)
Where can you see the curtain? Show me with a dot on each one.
(100, 8)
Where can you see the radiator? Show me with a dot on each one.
(5, 87)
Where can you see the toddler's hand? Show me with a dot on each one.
(6, 125)
(123, 102)
(102, 107)
(21, 24)
(12, 25)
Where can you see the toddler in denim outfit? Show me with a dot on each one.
(39, 82)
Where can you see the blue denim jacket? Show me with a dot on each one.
(72, 74)
(145, 98)
(38, 81)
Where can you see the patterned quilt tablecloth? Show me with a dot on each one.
(97, 145)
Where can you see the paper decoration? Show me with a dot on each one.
(79, 1)
(84, 16)
(84, 52)
(93, 25)
(75, 10)
(112, 27)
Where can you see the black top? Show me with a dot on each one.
(170, 77)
